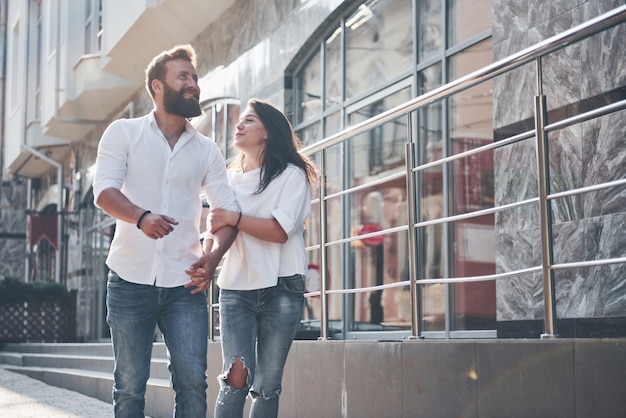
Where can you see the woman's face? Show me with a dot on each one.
(250, 133)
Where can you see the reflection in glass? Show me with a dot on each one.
(333, 168)
(312, 283)
(468, 18)
(471, 59)
(218, 122)
(309, 90)
(220, 134)
(374, 260)
(430, 39)
(474, 303)
(310, 134)
(430, 78)
(232, 119)
(379, 44)
(431, 134)
(332, 124)
(432, 254)
(333, 73)
(380, 150)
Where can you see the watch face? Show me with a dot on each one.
(312, 279)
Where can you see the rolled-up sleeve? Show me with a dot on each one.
(111, 161)
(294, 199)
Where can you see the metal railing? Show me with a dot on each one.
(529, 55)
(542, 128)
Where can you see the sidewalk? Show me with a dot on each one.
(22, 397)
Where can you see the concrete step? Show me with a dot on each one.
(159, 395)
(90, 357)
(88, 369)
(91, 349)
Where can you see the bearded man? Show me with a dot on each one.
(150, 174)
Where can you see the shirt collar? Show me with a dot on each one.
(188, 126)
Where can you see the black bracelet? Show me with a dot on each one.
(238, 220)
(141, 218)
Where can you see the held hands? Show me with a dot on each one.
(201, 275)
(156, 226)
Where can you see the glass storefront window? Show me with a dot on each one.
(332, 124)
(382, 150)
(430, 35)
(360, 69)
(379, 44)
(333, 75)
(467, 18)
(218, 122)
(471, 59)
(310, 135)
(309, 90)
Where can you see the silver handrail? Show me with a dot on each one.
(528, 55)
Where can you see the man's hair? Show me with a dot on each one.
(156, 69)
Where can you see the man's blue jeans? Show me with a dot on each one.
(258, 326)
(134, 311)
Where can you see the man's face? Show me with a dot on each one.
(181, 94)
(180, 103)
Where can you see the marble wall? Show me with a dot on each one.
(586, 227)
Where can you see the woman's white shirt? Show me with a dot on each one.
(252, 263)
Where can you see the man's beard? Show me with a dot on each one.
(175, 103)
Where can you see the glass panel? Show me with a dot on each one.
(471, 118)
(471, 59)
(474, 303)
(430, 78)
(312, 226)
(312, 308)
(310, 134)
(432, 255)
(309, 90)
(430, 42)
(431, 134)
(232, 118)
(333, 124)
(220, 125)
(379, 44)
(472, 181)
(378, 260)
(433, 307)
(471, 189)
(204, 123)
(333, 168)
(380, 151)
(334, 222)
(468, 18)
(332, 71)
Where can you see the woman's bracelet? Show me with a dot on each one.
(238, 220)
(141, 218)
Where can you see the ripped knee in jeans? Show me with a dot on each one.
(237, 375)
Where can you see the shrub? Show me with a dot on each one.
(13, 291)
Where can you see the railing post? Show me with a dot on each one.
(411, 242)
(323, 255)
(545, 213)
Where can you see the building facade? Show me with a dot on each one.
(71, 67)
